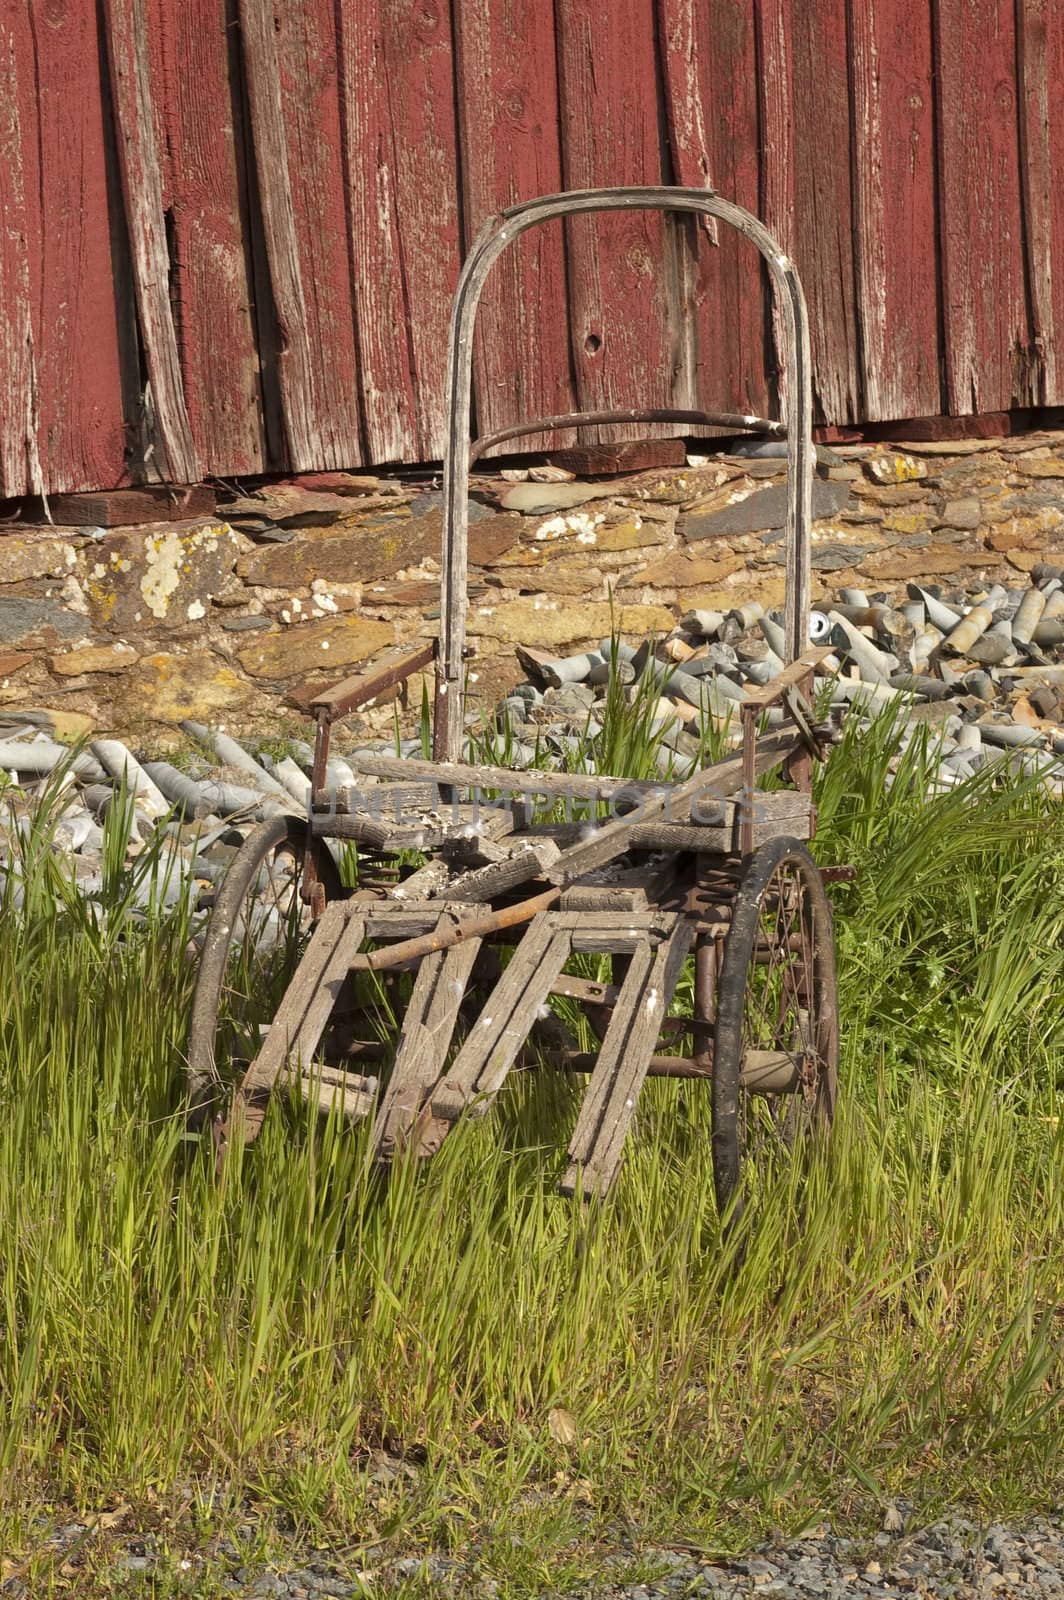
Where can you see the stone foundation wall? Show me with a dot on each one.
(234, 618)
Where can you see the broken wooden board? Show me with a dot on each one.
(721, 779)
(120, 508)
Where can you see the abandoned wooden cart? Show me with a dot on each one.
(475, 946)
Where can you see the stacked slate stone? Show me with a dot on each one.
(985, 670)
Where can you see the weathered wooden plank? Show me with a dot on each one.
(20, 469)
(428, 1027)
(823, 219)
(308, 1002)
(988, 355)
(893, 164)
(682, 27)
(597, 1102)
(290, 64)
(1040, 41)
(386, 672)
(610, 1098)
(479, 1069)
(353, 1095)
(614, 838)
(730, 289)
(527, 861)
(624, 351)
(194, 65)
(142, 189)
(507, 92)
(776, 142)
(81, 439)
(376, 225)
(123, 508)
(463, 775)
(402, 190)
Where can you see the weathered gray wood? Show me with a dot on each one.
(477, 852)
(308, 1003)
(428, 1028)
(483, 883)
(716, 782)
(621, 923)
(363, 829)
(427, 830)
(480, 1067)
(353, 1095)
(620, 888)
(461, 775)
(609, 1102)
(602, 897)
(425, 882)
(389, 920)
(387, 802)
(673, 836)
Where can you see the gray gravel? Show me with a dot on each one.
(955, 1559)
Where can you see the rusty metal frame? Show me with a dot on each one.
(498, 232)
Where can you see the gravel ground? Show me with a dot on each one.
(955, 1559)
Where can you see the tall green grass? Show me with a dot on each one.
(893, 1328)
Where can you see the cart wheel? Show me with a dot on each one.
(776, 1041)
(258, 929)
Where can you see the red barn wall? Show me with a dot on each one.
(230, 229)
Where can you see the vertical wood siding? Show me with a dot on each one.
(230, 229)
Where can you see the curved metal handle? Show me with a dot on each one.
(499, 231)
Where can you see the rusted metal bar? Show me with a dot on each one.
(462, 928)
(498, 232)
(733, 420)
(311, 889)
(763, 1071)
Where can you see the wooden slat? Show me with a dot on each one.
(463, 775)
(507, 94)
(428, 1027)
(686, 162)
(290, 64)
(524, 863)
(987, 355)
(138, 152)
(1040, 30)
(202, 156)
(893, 165)
(386, 672)
(610, 1098)
(823, 220)
(308, 1002)
(402, 188)
(801, 667)
(731, 295)
(624, 344)
(480, 1067)
(375, 225)
(73, 281)
(776, 141)
(19, 466)
(611, 840)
